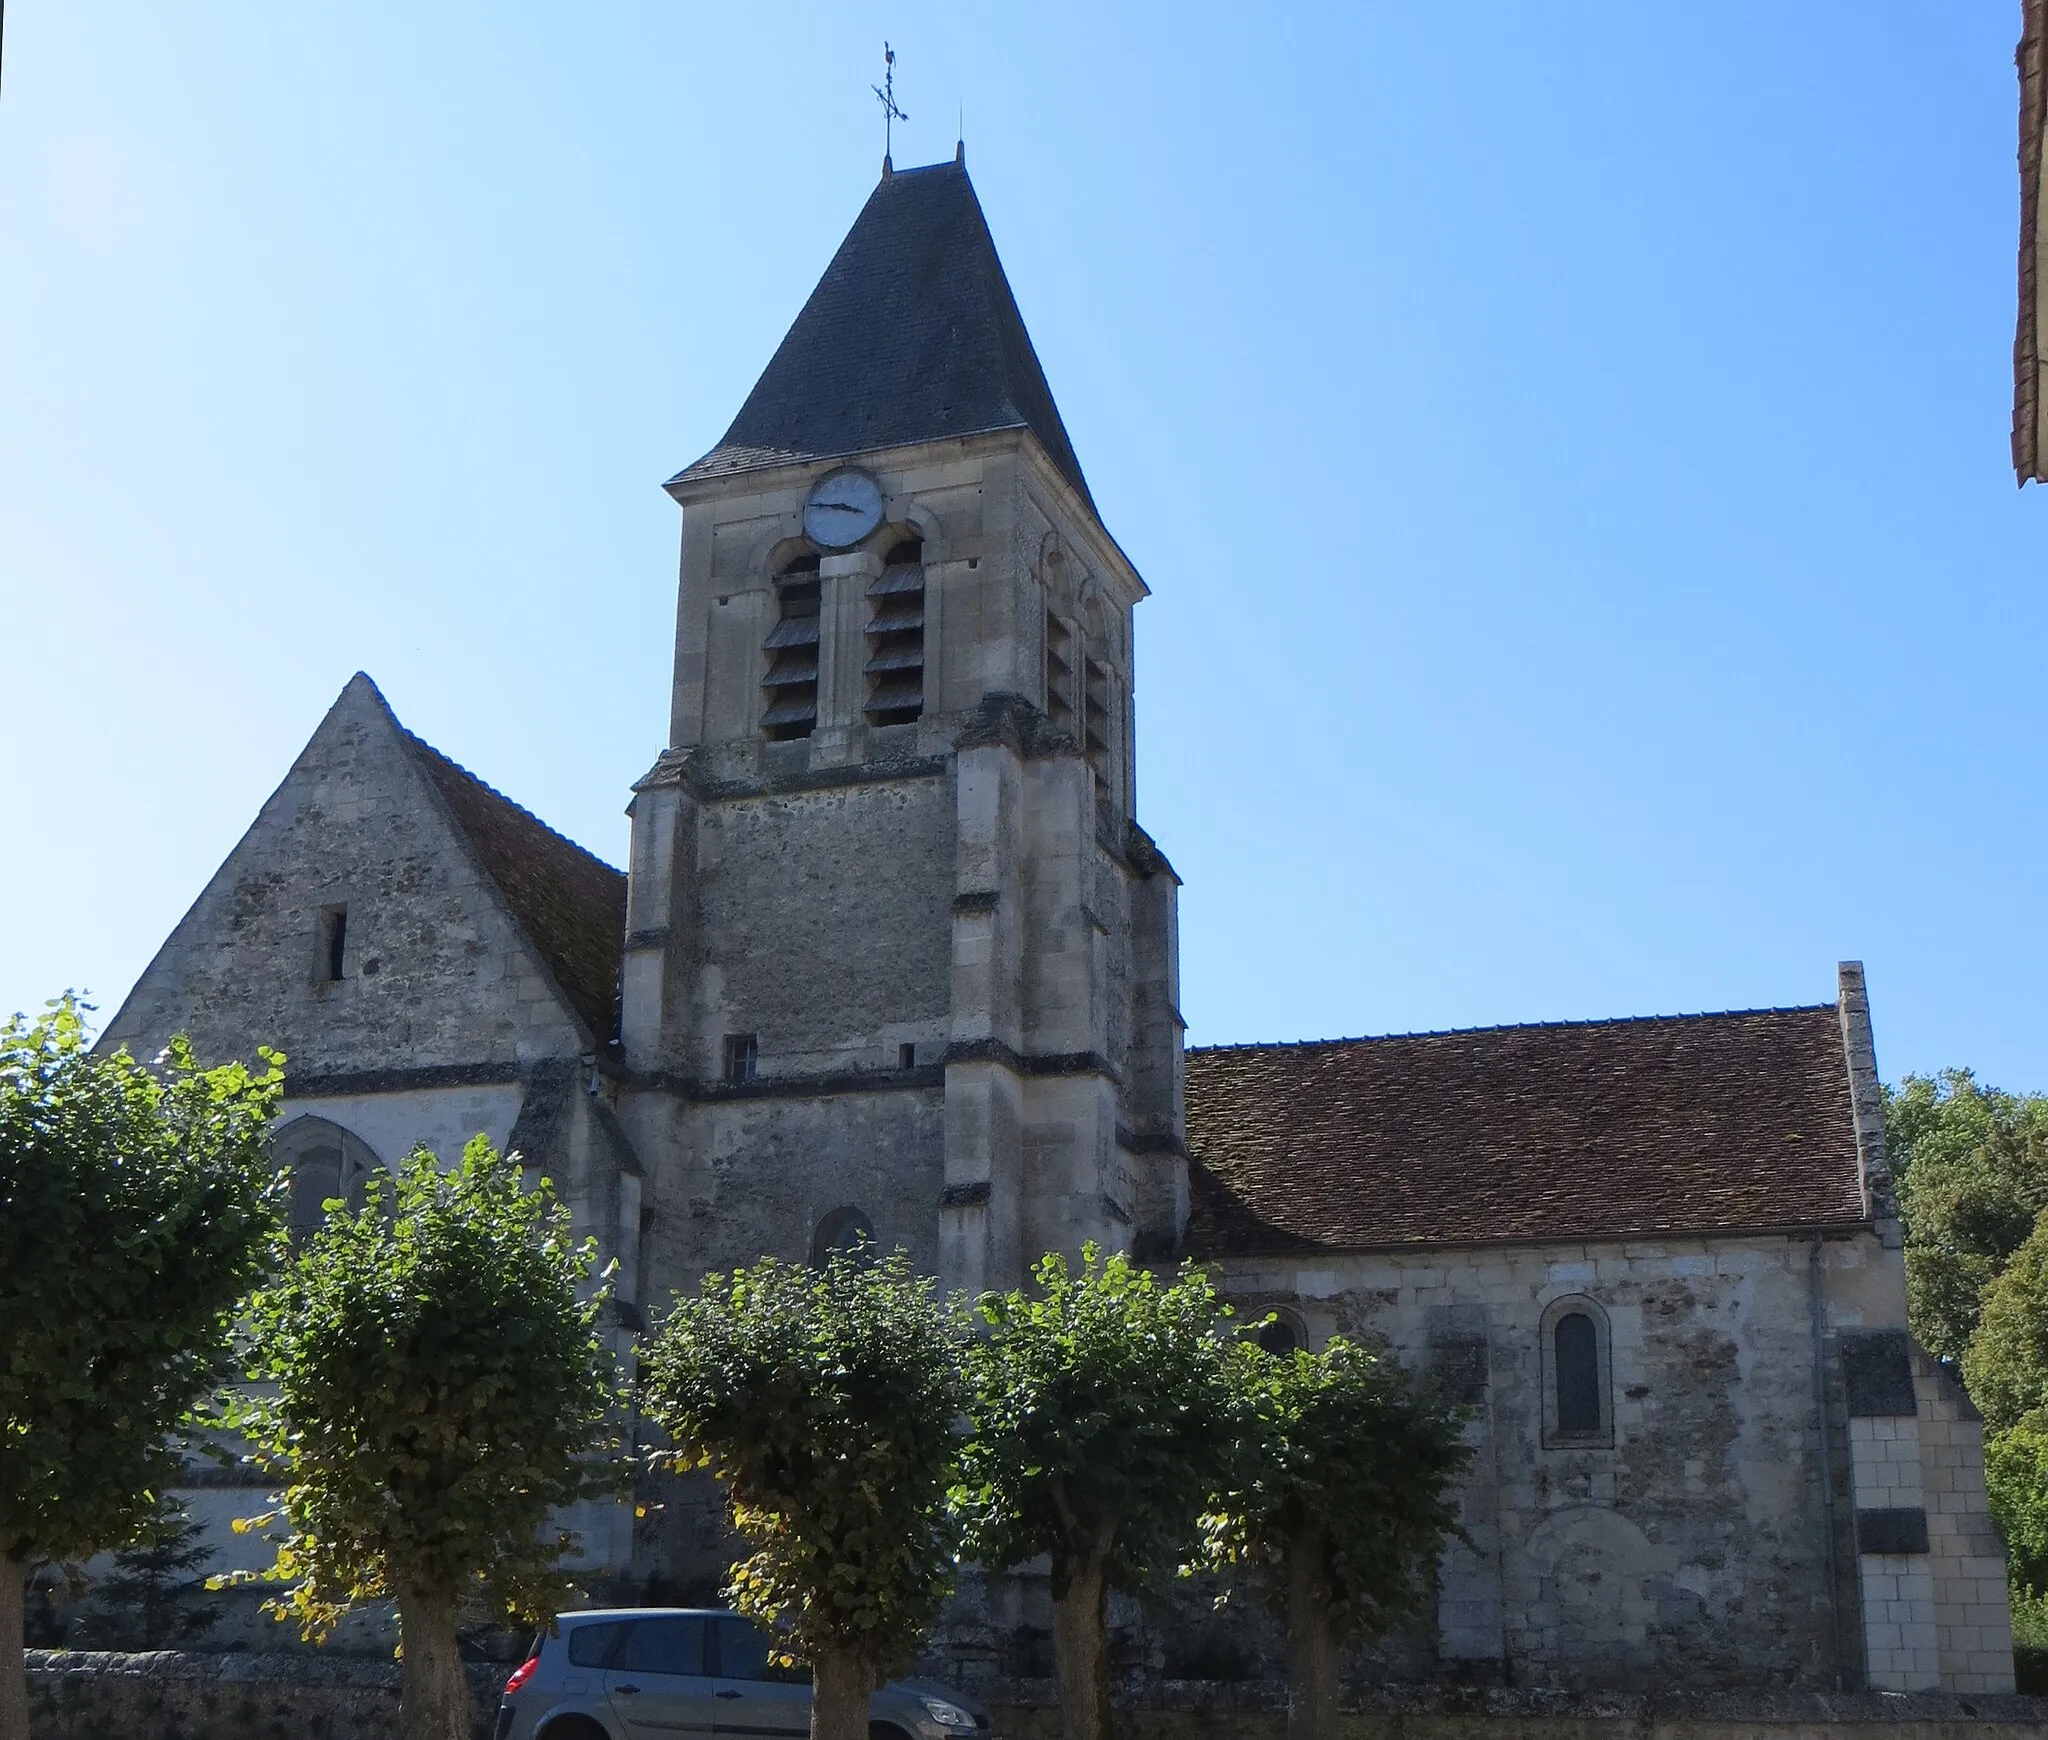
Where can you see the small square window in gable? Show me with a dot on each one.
(742, 1057)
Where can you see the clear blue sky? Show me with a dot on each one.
(1567, 446)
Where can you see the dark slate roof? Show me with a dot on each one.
(572, 906)
(911, 335)
(1679, 1124)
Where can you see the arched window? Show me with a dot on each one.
(1282, 1335)
(1577, 1351)
(1575, 1374)
(1099, 702)
(844, 1232)
(316, 1179)
(895, 667)
(322, 1162)
(1059, 672)
(1062, 640)
(790, 688)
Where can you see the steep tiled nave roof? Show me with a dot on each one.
(1665, 1125)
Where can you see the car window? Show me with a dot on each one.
(589, 1645)
(743, 1652)
(664, 1646)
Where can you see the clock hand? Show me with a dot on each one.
(839, 507)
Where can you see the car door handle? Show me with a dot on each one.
(729, 1694)
(626, 1691)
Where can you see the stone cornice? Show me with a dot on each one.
(339, 1084)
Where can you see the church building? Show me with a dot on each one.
(894, 960)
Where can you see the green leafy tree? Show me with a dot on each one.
(1338, 1504)
(135, 1210)
(826, 1402)
(147, 1600)
(1972, 1164)
(2006, 1368)
(2016, 1478)
(2006, 1363)
(432, 1383)
(1104, 1417)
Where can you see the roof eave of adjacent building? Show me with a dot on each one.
(1324, 1253)
(2029, 418)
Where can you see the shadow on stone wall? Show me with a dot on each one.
(82, 1695)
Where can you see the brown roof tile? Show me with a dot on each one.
(571, 905)
(1691, 1123)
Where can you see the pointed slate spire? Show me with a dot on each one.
(911, 335)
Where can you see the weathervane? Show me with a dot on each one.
(885, 94)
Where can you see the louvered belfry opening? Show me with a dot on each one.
(1059, 672)
(1095, 737)
(790, 689)
(895, 666)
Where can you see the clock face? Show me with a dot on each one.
(842, 510)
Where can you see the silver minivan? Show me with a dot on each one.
(663, 1673)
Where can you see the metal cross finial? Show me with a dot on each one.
(885, 94)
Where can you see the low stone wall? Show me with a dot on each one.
(1190, 1710)
(81, 1695)
(168, 1695)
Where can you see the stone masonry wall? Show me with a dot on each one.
(1687, 1546)
(436, 974)
(823, 925)
(736, 1179)
(1972, 1616)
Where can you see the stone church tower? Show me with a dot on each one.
(900, 964)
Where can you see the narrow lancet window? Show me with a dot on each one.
(790, 689)
(895, 667)
(333, 942)
(1059, 673)
(1096, 737)
(1577, 1348)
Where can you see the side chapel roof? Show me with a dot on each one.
(1665, 1125)
(571, 905)
(911, 335)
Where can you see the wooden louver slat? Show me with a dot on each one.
(790, 685)
(897, 658)
(896, 640)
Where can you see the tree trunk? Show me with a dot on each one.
(434, 1692)
(1080, 1642)
(13, 1670)
(1311, 1640)
(840, 1684)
